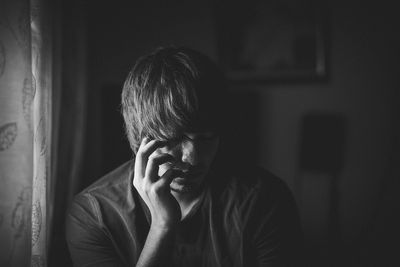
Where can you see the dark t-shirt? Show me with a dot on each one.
(247, 220)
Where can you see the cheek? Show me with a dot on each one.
(210, 151)
(215, 145)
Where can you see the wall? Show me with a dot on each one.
(362, 89)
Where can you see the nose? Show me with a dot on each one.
(190, 153)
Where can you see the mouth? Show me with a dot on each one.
(186, 183)
(188, 176)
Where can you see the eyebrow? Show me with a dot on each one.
(200, 135)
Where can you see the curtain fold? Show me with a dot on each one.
(70, 128)
(42, 126)
(41, 65)
(17, 94)
(26, 87)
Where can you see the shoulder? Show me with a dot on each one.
(100, 217)
(112, 190)
(253, 182)
(253, 194)
(113, 182)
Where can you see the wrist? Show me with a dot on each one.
(162, 228)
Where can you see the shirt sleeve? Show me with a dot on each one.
(276, 232)
(88, 240)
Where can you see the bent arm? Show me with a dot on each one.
(157, 248)
(88, 242)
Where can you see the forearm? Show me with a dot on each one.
(157, 248)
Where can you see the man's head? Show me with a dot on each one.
(176, 94)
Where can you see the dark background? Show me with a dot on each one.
(334, 141)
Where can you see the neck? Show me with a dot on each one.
(187, 201)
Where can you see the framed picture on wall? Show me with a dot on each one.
(272, 40)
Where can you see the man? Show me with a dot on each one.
(182, 201)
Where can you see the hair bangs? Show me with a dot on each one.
(173, 108)
(170, 92)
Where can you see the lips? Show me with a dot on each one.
(188, 175)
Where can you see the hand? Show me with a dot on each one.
(155, 190)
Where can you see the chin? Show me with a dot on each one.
(181, 189)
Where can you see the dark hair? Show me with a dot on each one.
(170, 91)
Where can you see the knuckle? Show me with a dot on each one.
(150, 144)
(152, 190)
(136, 182)
(141, 148)
(152, 157)
(144, 150)
(155, 158)
(139, 154)
(145, 153)
(155, 189)
(144, 186)
(145, 189)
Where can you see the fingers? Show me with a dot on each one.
(155, 160)
(147, 147)
(167, 178)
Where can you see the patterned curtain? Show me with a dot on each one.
(26, 88)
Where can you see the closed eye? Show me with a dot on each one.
(195, 137)
(171, 143)
(206, 136)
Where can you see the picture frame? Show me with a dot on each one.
(272, 40)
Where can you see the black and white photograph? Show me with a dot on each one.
(199, 133)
